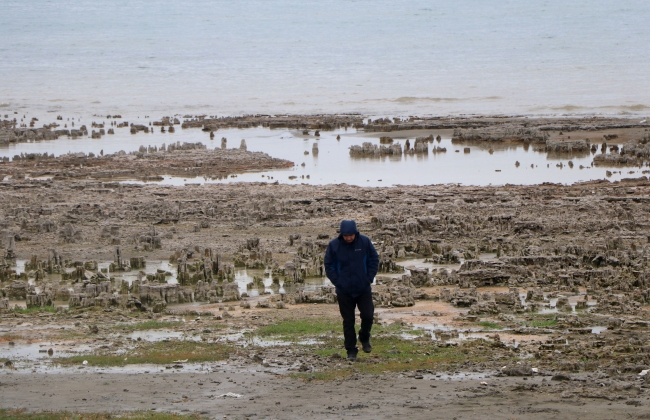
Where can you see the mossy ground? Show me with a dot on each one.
(161, 353)
(488, 325)
(299, 329)
(542, 321)
(395, 348)
(50, 309)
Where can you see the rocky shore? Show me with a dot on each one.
(587, 240)
(147, 164)
(546, 282)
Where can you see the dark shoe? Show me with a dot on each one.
(352, 357)
(366, 347)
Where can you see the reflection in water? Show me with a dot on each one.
(333, 164)
(423, 263)
(151, 267)
(20, 266)
(156, 335)
(36, 351)
(245, 276)
(265, 285)
(574, 155)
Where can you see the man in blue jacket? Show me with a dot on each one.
(351, 263)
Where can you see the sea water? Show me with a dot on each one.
(374, 57)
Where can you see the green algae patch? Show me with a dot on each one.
(35, 310)
(159, 353)
(487, 325)
(300, 329)
(391, 353)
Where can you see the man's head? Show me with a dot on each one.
(348, 230)
(349, 238)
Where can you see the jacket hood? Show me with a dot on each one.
(349, 227)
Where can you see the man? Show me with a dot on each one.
(351, 263)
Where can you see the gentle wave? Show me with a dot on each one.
(286, 56)
(411, 99)
(611, 109)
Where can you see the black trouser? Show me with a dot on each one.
(347, 304)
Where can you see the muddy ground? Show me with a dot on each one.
(270, 381)
(275, 397)
(532, 303)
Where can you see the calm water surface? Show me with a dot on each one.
(333, 164)
(370, 56)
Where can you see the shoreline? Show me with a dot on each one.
(562, 112)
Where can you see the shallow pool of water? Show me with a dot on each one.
(598, 329)
(38, 350)
(155, 335)
(151, 267)
(248, 340)
(20, 266)
(243, 276)
(484, 164)
(421, 263)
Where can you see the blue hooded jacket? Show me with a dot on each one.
(351, 267)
